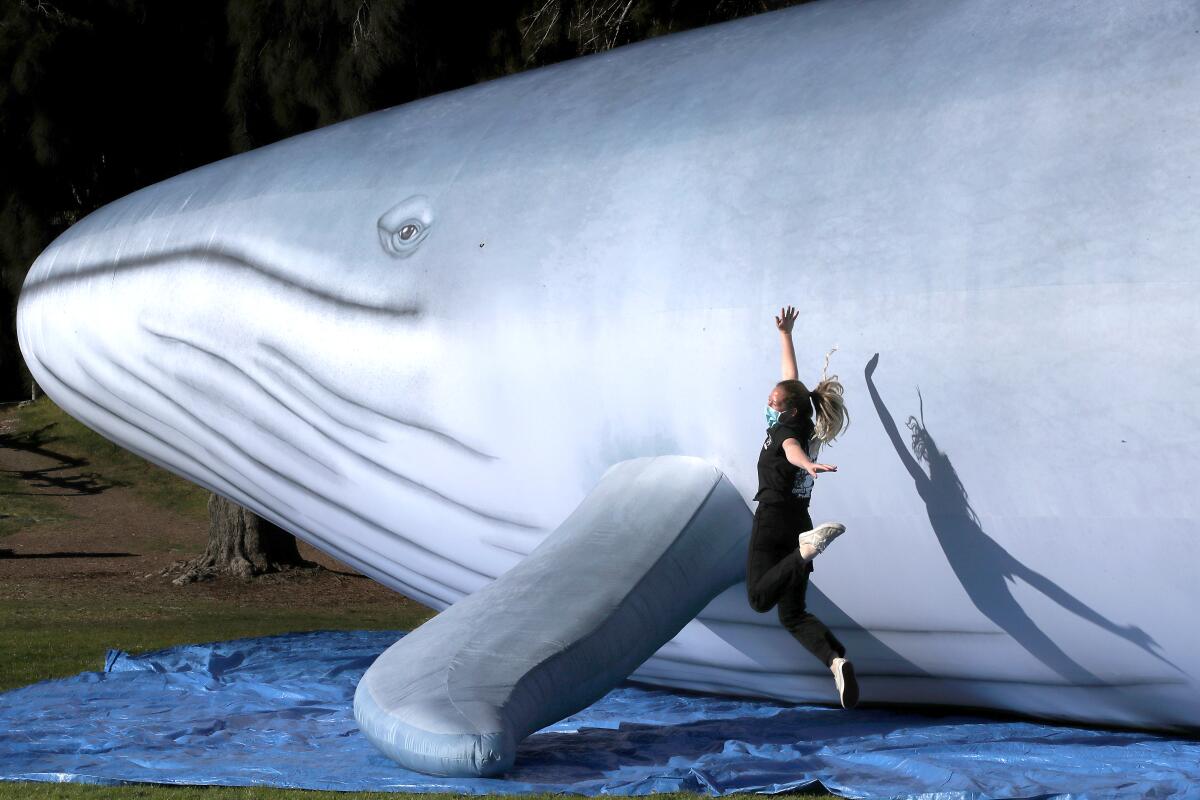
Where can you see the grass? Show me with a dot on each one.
(46, 638)
(111, 463)
(22, 511)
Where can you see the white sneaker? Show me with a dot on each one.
(847, 684)
(813, 543)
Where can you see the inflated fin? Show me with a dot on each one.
(645, 551)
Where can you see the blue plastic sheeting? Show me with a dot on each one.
(277, 711)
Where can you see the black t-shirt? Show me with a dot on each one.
(779, 480)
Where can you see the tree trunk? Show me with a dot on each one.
(242, 544)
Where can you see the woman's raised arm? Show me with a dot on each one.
(785, 320)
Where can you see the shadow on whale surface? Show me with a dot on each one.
(982, 566)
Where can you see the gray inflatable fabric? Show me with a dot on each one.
(647, 549)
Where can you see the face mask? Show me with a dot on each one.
(772, 416)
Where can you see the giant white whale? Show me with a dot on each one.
(418, 338)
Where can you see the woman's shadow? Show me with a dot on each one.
(982, 566)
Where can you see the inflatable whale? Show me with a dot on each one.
(418, 339)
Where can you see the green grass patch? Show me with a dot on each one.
(45, 639)
(23, 509)
(49, 427)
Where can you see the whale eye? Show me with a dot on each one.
(405, 225)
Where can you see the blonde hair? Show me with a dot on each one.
(826, 398)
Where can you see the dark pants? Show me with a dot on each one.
(776, 574)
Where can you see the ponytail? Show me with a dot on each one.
(828, 409)
(832, 418)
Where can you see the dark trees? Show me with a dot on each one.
(100, 98)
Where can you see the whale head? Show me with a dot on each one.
(414, 339)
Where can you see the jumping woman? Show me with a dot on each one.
(799, 421)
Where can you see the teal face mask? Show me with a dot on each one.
(772, 416)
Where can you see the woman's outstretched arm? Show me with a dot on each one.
(785, 320)
(796, 456)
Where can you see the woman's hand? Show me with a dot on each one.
(813, 469)
(787, 318)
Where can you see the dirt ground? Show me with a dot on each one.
(119, 544)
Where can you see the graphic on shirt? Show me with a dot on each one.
(803, 484)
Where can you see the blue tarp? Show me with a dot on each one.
(276, 711)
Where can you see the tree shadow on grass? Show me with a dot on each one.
(35, 442)
(8, 554)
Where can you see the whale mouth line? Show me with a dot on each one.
(222, 254)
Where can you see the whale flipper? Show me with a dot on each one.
(641, 556)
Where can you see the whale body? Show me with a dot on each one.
(416, 339)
